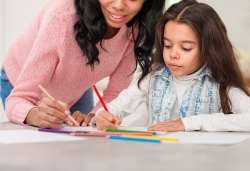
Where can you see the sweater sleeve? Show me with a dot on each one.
(238, 121)
(121, 77)
(38, 68)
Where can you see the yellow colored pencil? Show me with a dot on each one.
(163, 139)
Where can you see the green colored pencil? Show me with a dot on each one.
(130, 131)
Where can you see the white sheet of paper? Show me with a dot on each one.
(67, 128)
(33, 136)
(219, 138)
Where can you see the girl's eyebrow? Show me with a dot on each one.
(165, 38)
(184, 41)
(189, 41)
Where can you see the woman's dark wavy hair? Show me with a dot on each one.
(215, 46)
(91, 27)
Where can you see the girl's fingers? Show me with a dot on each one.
(118, 121)
(156, 127)
(168, 126)
(103, 123)
(108, 116)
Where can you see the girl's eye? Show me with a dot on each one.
(187, 49)
(167, 46)
(133, 0)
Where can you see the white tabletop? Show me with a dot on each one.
(96, 154)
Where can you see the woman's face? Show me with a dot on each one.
(181, 51)
(118, 13)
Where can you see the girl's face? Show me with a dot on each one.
(181, 50)
(118, 13)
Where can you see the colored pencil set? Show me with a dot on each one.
(117, 134)
(113, 134)
(133, 135)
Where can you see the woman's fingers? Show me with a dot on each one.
(53, 108)
(88, 119)
(53, 112)
(37, 117)
(56, 104)
(79, 117)
(58, 109)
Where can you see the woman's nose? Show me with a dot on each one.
(118, 5)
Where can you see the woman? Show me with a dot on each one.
(71, 45)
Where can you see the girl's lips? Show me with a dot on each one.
(173, 65)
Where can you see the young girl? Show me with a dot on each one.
(71, 45)
(198, 85)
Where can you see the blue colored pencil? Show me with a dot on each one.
(140, 139)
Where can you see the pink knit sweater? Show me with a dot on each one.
(47, 54)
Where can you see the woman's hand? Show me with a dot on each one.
(49, 113)
(82, 118)
(168, 126)
(106, 120)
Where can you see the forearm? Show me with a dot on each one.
(218, 122)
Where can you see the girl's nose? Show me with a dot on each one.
(174, 53)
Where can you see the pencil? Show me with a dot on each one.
(129, 131)
(52, 98)
(154, 139)
(126, 138)
(100, 99)
(163, 139)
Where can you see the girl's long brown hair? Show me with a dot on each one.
(215, 47)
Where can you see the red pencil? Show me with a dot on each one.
(100, 99)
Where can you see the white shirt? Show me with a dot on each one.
(133, 101)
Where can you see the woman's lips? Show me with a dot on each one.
(116, 17)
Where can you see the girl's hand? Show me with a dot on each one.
(106, 120)
(49, 113)
(168, 126)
